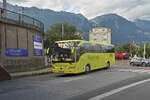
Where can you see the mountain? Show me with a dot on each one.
(144, 25)
(50, 17)
(123, 31)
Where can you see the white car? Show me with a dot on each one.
(139, 61)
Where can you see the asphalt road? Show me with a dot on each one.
(71, 87)
(139, 92)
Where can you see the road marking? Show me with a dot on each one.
(76, 78)
(104, 95)
(135, 70)
(143, 71)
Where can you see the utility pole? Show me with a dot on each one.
(4, 9)
(22, 14)
(62, 30)
(95, 25)
(144, 53)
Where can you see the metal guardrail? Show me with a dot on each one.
(21, 19)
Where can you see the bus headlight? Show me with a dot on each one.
(71, 67)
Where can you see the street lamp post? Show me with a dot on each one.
(144, 53)
(4, 9)
(62, 30)
(22, 14)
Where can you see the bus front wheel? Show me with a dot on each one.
(87, 69)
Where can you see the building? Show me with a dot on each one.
(100, 34)
(122, 56)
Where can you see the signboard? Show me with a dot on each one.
(66, 44)
(37, 39)
(38, 47)
(16, 52)
(38, 52)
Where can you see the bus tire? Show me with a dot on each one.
(87, 68)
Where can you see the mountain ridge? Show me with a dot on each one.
(123, 30)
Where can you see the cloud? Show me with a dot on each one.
(45, 4)
(130, 9)
(18, 1)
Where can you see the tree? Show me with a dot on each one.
(127, 48)
(55, 34)
(132, 49)
(141, 50)
(119, 49)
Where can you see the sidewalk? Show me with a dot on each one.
(30, 73)
(49, 70)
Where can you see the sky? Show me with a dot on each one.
(130, 9)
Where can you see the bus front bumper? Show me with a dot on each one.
(64, 69)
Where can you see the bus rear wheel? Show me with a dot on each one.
(87, 69)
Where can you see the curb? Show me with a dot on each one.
(31, 73)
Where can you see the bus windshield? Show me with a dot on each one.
(62, 51)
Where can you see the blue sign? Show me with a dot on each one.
(16, 52)
(38, 48)
(38, 52)
(37, 38)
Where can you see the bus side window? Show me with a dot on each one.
(99, 48)
(104, 48)
(93, 48)
(81, 50)
(109, 49)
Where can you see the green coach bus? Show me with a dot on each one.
(78, 56)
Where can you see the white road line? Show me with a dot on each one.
(143, 71)
(126, 70)
(104, 95)
(135, 70)
(148, 71)
(76, 78)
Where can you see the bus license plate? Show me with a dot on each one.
(61, 71)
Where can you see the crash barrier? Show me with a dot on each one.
(11, 16)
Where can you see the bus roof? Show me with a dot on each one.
(83, 41)
(69, 41)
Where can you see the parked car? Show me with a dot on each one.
(139, 61)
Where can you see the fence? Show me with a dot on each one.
(122, 62)
(20, 18)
